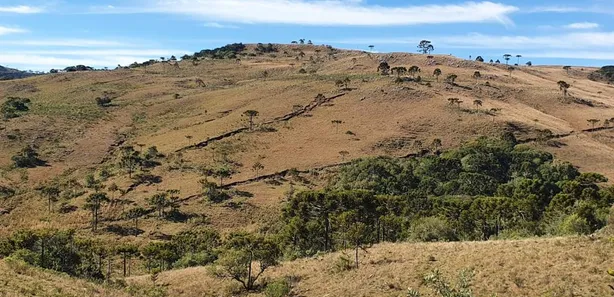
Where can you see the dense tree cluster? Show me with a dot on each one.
(487, 188)
(230, 51)
(78, 68)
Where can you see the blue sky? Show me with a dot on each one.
(45, 34)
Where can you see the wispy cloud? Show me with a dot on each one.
(328, 12)
(23, 9)
(62, 42)
(7, 30)
(594, 8)
(582, 26)
(220, 26)
(553, 44)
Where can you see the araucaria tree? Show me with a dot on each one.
(336, 123)
(425, 47)
(50, 193)
(245, 257)
(477, 103)
(383, 68)
(257, 167)
(593, 122)
(563, 86)
(94, 202)
(567, 68)
(451, 78)
(518, 61)
(251, 114)
(477, 75)
(437, 73)
(413, 70)
(129, 160)
(159, 201)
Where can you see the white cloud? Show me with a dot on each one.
(220, 26)
(584, 25)
(42, 62)
(63, 42)
(329, 12)
(23, 9)
(585, 55)
(6, 30)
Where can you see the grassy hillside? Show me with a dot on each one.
(531, 267)
(193, 113)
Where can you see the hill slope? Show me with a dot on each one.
(164, 106)
(532, 267)
(10, 73)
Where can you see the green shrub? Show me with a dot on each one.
(431, 229)
(26, 256)
(194, 259)
(278, 288)
(343, 263)
(27, 158)
(574, 225)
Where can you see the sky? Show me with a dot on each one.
(45, 34)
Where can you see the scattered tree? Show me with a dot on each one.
(477, 103)
(51, 193)
(593, 122)
(343, 155)
(159, 201)
(27, 158)
(437, 73)
(479, 59)
(529, 63)
(94, 202)
(257, 167)
(336, 123)
(383, 68)
(563, 86)
(451, 78)
(127, 251)
(251, 114)
(518, 57)
(477, 75)
(567, 68)
(245, 258)
(371, 47)
(425, 47)
(413, 70)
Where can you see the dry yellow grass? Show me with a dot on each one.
(19, 280)
(531, 267)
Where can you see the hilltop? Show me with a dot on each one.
(10, 73)
(280, 119)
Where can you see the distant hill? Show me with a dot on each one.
(10, 73)
(605, 74)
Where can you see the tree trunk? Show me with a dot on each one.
(125, 264)
(356, 256)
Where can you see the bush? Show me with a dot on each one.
(194, 259)
(103, 102)
(343, 263)
(27, 158)
(574, 225)
(278, 288)
(431, 229)
(26, 256)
